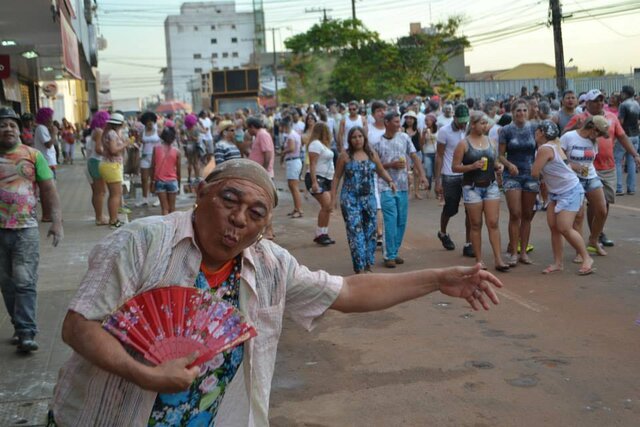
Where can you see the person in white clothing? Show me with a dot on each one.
(374, 135)
(319, 177)
(446, 117)
(149, 138)
(566, 194)
(205, 124)
(449, 183)
(352, 120)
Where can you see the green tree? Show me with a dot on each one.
(343, 59)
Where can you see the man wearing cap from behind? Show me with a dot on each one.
(449, 183)
(21, 169)
(604, 162)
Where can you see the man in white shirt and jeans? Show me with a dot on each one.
(449, 183)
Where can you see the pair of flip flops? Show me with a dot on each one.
(581, 272)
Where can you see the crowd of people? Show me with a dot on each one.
(538, 153)
(421, 147)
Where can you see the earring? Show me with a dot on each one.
(195, 206)
(259, 237)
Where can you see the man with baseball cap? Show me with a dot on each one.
(21, 169)
(629, 115)
(449, 183)
(604, 162)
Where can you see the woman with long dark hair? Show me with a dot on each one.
(149, 138)
(411, 129)
(359, 165)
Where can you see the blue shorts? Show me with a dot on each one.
(167, 186)
(472, 194)
(521, 182)
(590, 184)
(570, 201)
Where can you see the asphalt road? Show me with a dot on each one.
(558, 350)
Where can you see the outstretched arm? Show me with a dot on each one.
(372, 292)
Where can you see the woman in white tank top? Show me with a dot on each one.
(566, 195)
(149, 139)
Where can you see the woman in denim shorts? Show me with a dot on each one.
(517, 152)
(581, 149)
(566, 197)
(165, 170)
(476, 157)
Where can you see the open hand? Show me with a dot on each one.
(472, 284)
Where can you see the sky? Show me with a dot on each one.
(502, 34)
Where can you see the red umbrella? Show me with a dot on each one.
(172, 107)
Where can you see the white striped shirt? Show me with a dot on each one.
(161, 251)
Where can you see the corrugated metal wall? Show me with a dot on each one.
(501, 89)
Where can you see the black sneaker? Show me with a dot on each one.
(447, 243)
(605, 240)
(27, 345)
(323, 240)
(468, 251)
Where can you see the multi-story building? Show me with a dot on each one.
(208, 36)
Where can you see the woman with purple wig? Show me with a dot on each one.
(94, 152)
(193, 146)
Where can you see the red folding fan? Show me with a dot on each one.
(172, 322)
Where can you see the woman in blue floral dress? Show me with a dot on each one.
(359, 165)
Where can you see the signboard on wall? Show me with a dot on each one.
(70, 53)
(5, 66)
(11, 89)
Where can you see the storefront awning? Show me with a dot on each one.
(34, 26)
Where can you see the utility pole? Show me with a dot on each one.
(556, 22)
(275, 66)
(353, 9)
(324, 11)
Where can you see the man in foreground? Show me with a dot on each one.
(103, 384)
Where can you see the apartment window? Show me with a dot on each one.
(197, 56)
(214, 41)
(236, 68)
(213, 27)
(225, 68)
(225, 54)
(234, 54)
(233, 26)
(195, 28)
(197, 70)
(214, 55)
(234, 40)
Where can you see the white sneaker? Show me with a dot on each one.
(156, 203)
(143, 202)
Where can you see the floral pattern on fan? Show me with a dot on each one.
(172, 322)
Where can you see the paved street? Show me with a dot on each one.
(559, 350)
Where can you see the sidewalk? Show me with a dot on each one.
(27, 381)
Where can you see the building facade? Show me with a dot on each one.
(206, 36)
(49, 44)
